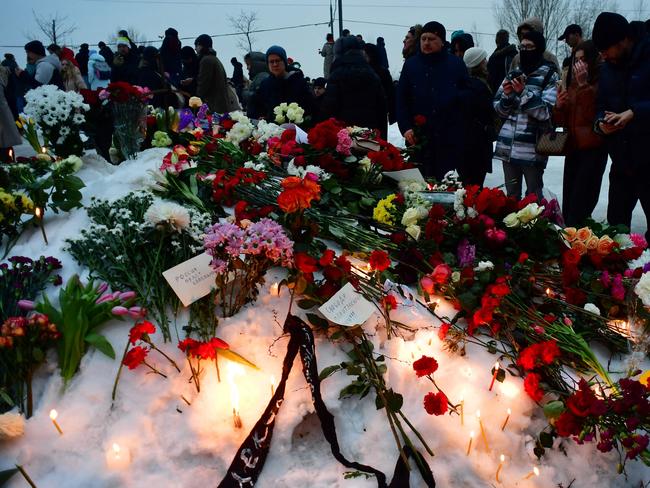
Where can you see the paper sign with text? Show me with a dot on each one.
(192, 279)
(412, 174)
(347, 307)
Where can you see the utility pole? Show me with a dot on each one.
(340, 18)
(54, 31)
(331, 19)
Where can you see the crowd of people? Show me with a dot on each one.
(458, 106)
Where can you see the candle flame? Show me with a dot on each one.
(275, 289)
(548, 292)
(232, 370)
(44, 150)
(54, 414)
(496, 366)
(478, 414)
(38, 212)
(503, 458)
(536, 471)
(116, 449)
(509, 411)
(471, 435)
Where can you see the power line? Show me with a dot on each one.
(289, 4)
(230, 34)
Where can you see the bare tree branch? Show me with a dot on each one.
(55, 28)
(245, 23)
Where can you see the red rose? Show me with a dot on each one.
(135, 357)
(305, 263)
(227, 124)
(419, 120)
(379, 260)
(140, 329)
(425, 366)
(441, 274)
(327, 258)
(571, 257)
(435, 403)
(531, 385)
(523, 257)
(568, 424)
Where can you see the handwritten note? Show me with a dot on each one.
(412, 174)
(192, 279)
(347, 307)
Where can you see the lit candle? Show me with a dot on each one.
(44, 150)
(275, 289)
(505, 422)
(272, 385)
(535, 472)
(11, 154)
(118, 457)
(549, 293)
(38, 213)
(480, 423)
(494, 375)
(53, 415)
(469, 445)
(503, 458)
(462, 409)
(234, 369)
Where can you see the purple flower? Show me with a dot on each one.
(104, 298)
(186, 117)
(26, 305)
(119, 310)
(102, 288)
(137, 312)
(127, 295)
(466, 253)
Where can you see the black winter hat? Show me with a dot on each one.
(204, 40)
(435, 28)
(537, 38)
(610, 28)
(35, 47)
(171, 32)
(149, 54)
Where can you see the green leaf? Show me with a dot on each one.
(546, 440)
(6, 475)
(394, 400)
(101, 344)
(237, 358)
(318, 321)
(4, 396)
(539, 452)
(492, 347)
(329, 371)
(553, 409)
(501, 375)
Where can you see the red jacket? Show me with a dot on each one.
(577, 116)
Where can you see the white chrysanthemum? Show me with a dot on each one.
(409, 186)
(642, 289)
(641, 261)
(252, 165)
(459, 203)
(172, 214)
(590, 307)
(623, 241)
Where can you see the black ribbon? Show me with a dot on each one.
(251, 455)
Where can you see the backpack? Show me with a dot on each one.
(102, 70)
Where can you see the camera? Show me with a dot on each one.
(515, 73)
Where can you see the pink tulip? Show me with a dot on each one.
(102, 288)
(119, 310)
(26, 305)
(104, 298)
(137, 312)
(427, 284)
(127, 295)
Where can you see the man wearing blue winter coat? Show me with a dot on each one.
(623, 107)
(432, 84)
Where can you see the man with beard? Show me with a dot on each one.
(411, 41)
(623, 108)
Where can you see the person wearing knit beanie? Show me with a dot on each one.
(278, 51)
(474, 56)
(435, 28)
(610, 29)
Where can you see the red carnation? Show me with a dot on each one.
(568, 424)
(444, 330)
(389, 302)
(188, 344)
(435, 403)
(550, 351)
(135, 357)
(305, 263)
(531, 385)
(141, 329)
(523, 257)
(327, 258)
(379, 260)
(425, 366)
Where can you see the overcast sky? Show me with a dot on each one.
(98, 20)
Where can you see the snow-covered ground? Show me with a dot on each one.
(176, 445)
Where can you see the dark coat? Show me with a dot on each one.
(108, 54)
(148, 77)
(499, 65)
(273, 91)
(237, 74)
(212, 83)
(82, 60)
(170, 57)
(190, 70)
(480, 132)
(125, 68)
(628, 87)
(433, 85)
(354, 94)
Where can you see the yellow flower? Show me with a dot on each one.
(644, 379)
(383, 212)
(26, 203)
(7, 199)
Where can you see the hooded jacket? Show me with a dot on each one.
(93, 81)
(48, 72)
(534, 23)
(525, 115)
(257, 73)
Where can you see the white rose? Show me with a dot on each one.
(642, 289)
(511, 220)
(455, 276)
(414, 231)
(590, 307)
(410, 217)
(484, 266)
(529, 213)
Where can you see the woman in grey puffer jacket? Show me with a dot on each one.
(525, 100)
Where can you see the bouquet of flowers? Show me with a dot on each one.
(130, 115)
(241, 255)
(59, 116)
(291, 112)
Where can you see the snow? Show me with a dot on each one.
(173, 444)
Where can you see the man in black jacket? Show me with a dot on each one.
(624, 114)
(500, 60)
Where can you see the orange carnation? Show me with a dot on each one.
(297, 194)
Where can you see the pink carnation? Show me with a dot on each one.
(344, 142)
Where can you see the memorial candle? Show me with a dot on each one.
(53, 415)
